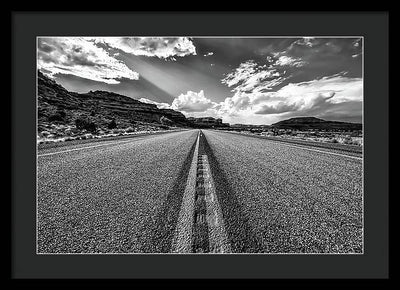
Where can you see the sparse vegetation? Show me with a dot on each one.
(112, 124)
(59, 133)
(58, 116)
(85, 124)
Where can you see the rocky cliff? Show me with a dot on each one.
(56, 105)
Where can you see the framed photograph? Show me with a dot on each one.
(219, 150)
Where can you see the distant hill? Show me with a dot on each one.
(56, 105)
(309, 123)
(207, 122)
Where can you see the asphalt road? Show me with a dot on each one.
(280, 198)
(106, 196)
(124, 196)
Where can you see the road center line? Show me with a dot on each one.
(217, 236)
(182, 241)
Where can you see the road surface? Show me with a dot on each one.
(198, 192)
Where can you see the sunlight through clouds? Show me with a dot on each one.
(248, 80)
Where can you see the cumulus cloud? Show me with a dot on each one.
(159, 105)
(161, 47)
(192, 102)
(259, 88)
(81, 57)
(280, 107)
(316, 97)
(292, 104)
(312, 95)
(209, 54)
(345, 89)
(335, 95)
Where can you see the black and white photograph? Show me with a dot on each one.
(201, 145)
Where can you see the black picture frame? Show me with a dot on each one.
(373, 26)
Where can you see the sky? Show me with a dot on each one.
(241, 80)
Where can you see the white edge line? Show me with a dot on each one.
(322, 151)
(110, 142)
(306, 148)
(81, 148)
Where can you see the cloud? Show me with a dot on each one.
(263, 91)
(306, 41)
(209, 54)
(192, 102)
(280, 107)
(308, 101)
(80, 57)
(243, 72)
(159, 105)
(250, 76)
(345, 88)
(327, 97)
(357, 42)
(161, 47)
(301, 97)
(316, 50)
(312, 98)
(255, 86)
(290, 61)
